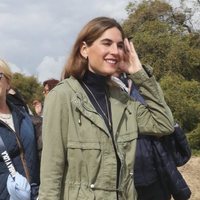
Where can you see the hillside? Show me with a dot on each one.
(191, 173)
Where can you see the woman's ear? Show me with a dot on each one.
(83, 50)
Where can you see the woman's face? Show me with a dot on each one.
(4, 84)
(46, 90)
(105, 54)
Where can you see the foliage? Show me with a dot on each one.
(183, 98)
(165, 38)
(194, 138)
(162, 40)
(28, 86)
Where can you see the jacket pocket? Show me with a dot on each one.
(84, 145)
(84, 160)
(127, 141)
(84, 153)
(127, 137)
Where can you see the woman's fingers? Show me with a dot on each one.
(130, 57)
(127, 45)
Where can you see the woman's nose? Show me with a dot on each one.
(114, 49)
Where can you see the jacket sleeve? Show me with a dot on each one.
(53, 162)
(155, 117)
(178, 146)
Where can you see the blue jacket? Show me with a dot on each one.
(158, 158)
(24, 127)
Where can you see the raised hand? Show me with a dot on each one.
(130, 63)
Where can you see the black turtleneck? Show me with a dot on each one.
(97, 85)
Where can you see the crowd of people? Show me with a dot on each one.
(103, 132)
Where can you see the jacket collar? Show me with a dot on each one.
(17, 114)
(117, 99)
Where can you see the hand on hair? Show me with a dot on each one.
(130, 63)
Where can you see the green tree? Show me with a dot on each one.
(162, 39)
(28, 86)
(194, 138)
(183, 98)
(165, 38)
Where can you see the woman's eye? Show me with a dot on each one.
(120, 46)
(106, 44)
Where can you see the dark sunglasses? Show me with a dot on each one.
(1, 75)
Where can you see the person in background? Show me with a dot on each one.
(90, 126)
(37, 122)
(49, 85)
(17, 134)
(16, 98)
(38, 107)
(156, 176)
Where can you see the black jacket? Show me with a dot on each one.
(158, 159)
(167, 156)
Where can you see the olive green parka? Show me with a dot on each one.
(78, 159)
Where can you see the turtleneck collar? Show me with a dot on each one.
(95, 81)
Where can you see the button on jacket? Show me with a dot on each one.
(78, 158)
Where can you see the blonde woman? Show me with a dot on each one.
(17, 134)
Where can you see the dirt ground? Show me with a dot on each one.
(191, 172)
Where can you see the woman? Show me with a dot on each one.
(17, 134)
(48, 85)
(91, 126)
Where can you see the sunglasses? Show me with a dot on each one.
(1, 75)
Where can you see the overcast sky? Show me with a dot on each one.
(37, 35)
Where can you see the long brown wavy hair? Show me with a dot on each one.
(76, 64)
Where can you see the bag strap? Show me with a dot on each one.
(6, 159)
(22, 156)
